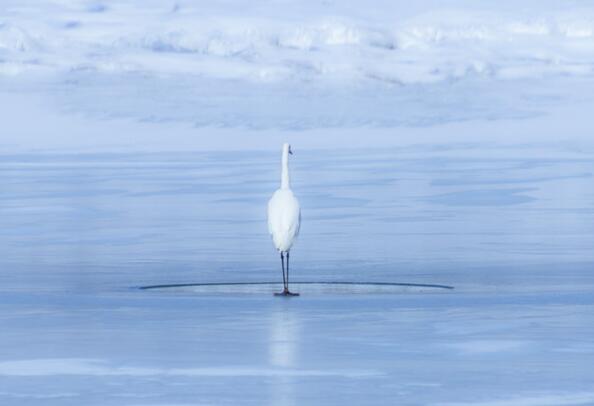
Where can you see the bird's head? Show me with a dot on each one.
(287, 148)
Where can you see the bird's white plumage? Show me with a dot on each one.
(284, 213)
(283, 219)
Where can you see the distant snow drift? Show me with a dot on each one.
(275, 41)
(154, 76)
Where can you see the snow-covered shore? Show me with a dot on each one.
(184, 75)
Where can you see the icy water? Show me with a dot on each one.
(512, 233)
(436, 143)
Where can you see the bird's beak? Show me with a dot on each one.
(290, 152)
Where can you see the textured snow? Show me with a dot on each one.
(313, 40)
(291, 66)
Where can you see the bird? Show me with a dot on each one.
(284, 218)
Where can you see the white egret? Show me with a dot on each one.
(284, 218)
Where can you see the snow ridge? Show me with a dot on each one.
(424, 47)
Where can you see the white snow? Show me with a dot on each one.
(309, 40)
(190, 70)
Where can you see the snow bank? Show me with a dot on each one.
(291, 66)
(309, 41)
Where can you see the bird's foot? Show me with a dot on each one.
(286, 292)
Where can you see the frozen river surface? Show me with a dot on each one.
(82, 233)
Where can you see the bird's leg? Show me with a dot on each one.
(287, 287)
(283, 266)
(287, 292)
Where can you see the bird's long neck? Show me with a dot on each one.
(285, 171)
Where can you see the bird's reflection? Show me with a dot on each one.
(283, 353)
